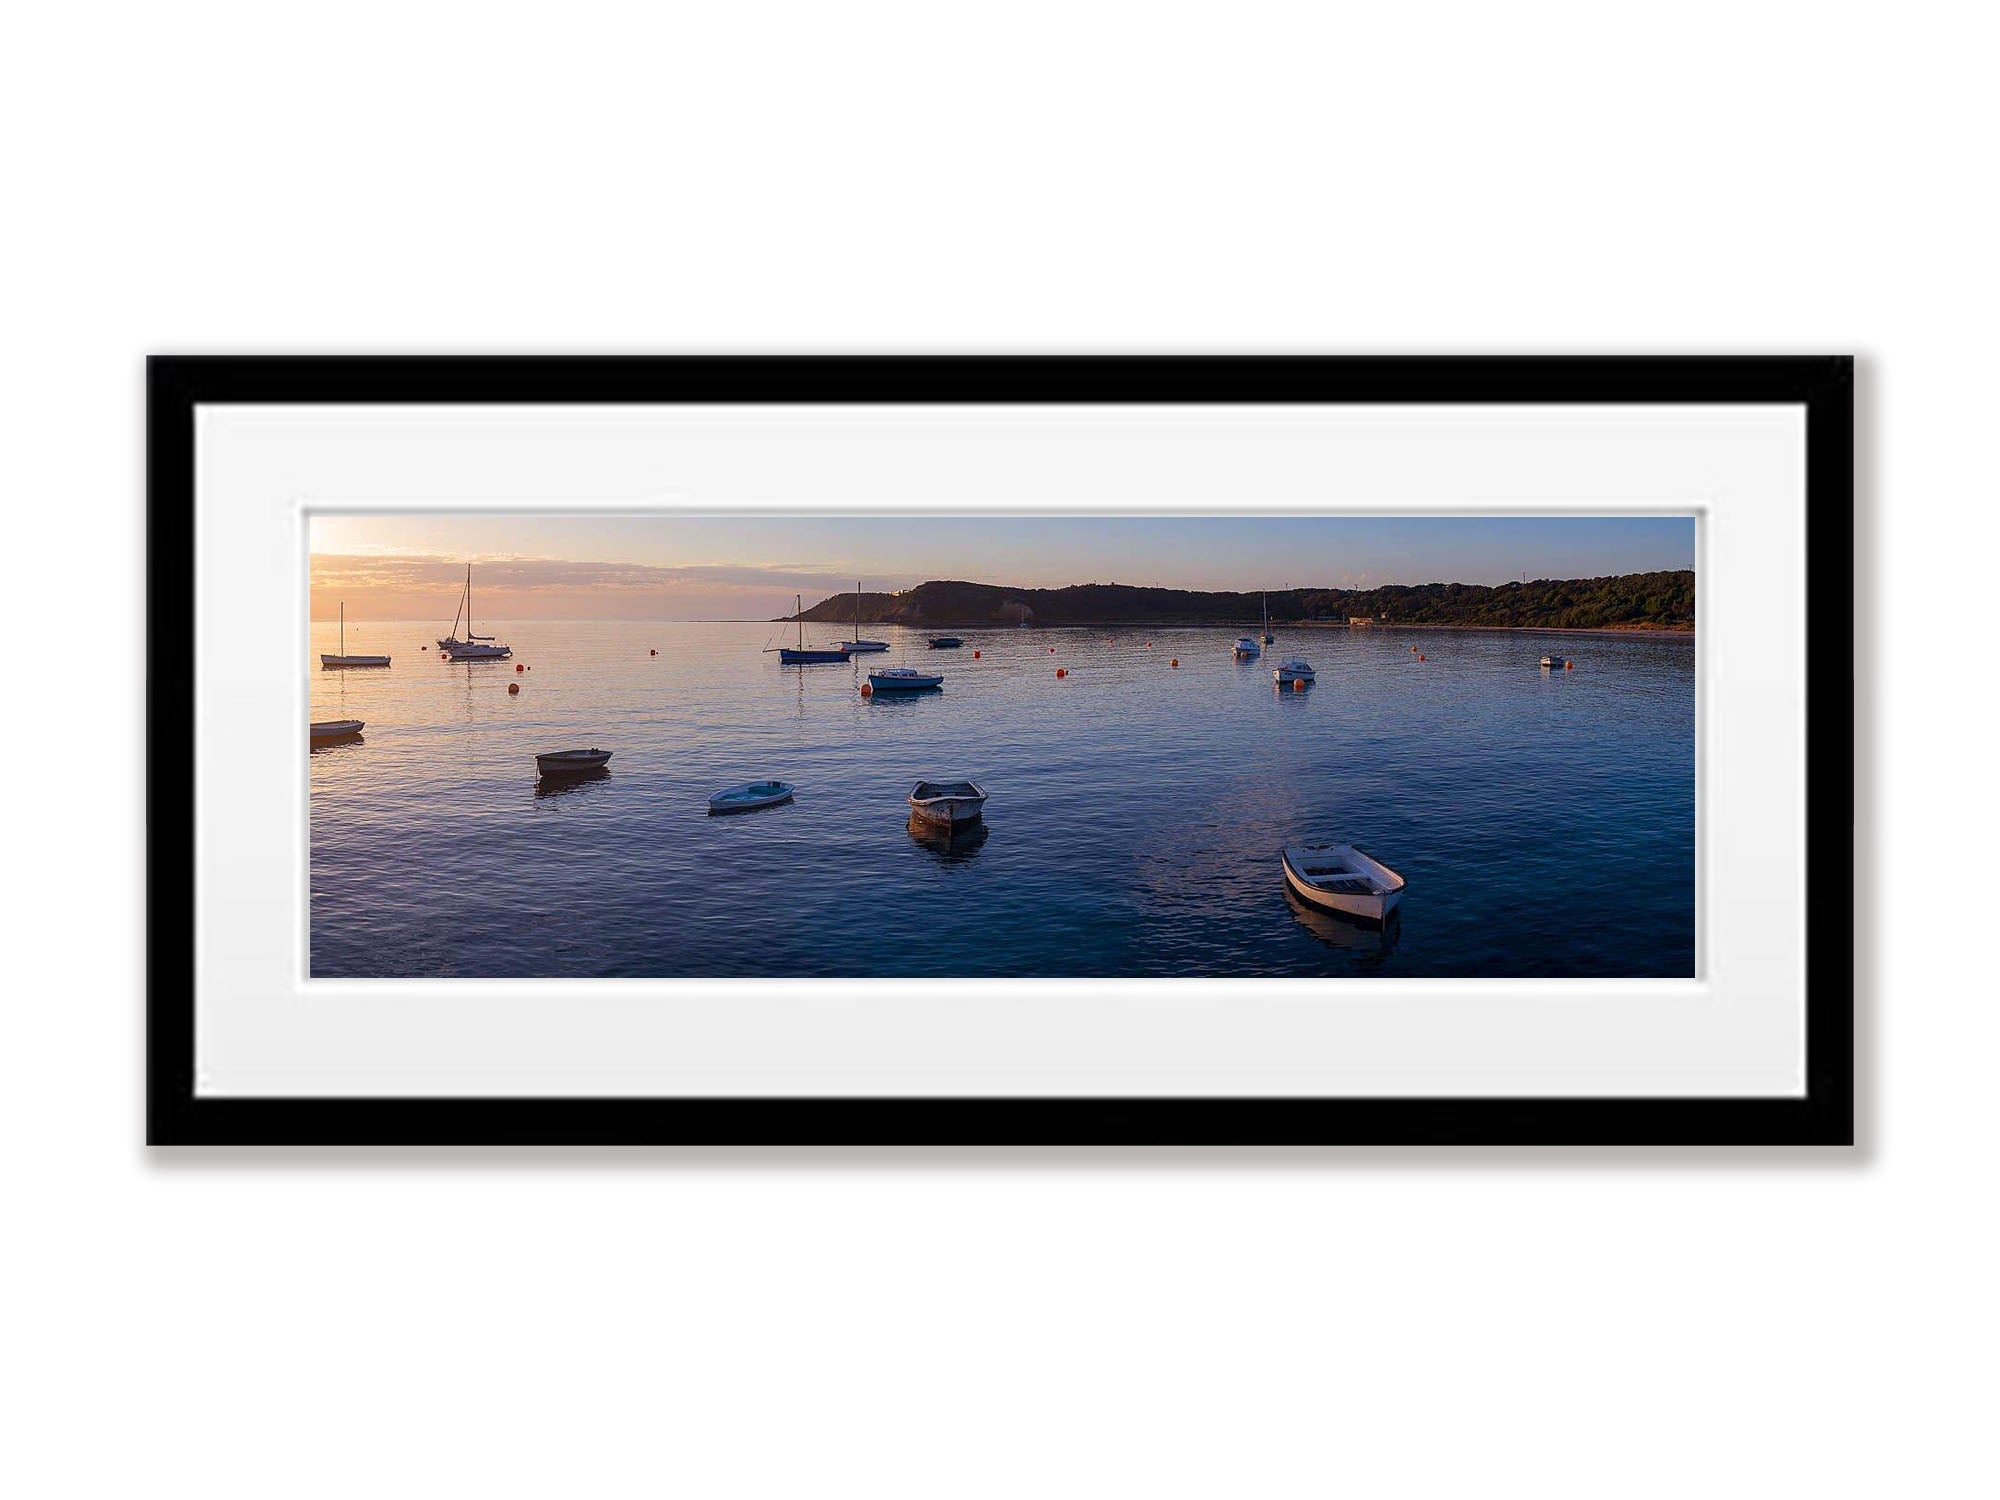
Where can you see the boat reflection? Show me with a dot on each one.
(325, 744)
(945, 843)
(1348, 933)
(564, 782)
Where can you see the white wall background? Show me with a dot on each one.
(1531, 177)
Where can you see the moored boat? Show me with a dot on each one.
(749, 796)
(1268, 637)
(1247, 648)
(1293, 670)
(334, 729)
(791, 657)
(570, 762)
(946, 642)
(473, 647)
(857, 646)
(947, 804)
(343, 659)
(1340, 878)
(904, 680)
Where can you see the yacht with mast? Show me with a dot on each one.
(858, 645)
(473, 647)
(343, 659)
(789, 657)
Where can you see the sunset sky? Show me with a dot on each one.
(749, 567)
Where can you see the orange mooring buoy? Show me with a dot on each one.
(1175, 662)
(867, 689)
(1422, 657)
(513, 687)
(1298, 684)
(652, 653)
(1062, 671)
(519, 668)
(975, 656)
(1568, 664)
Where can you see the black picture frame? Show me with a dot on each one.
(1823, 1115)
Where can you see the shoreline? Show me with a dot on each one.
(989, 628)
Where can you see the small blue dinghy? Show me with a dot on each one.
(750, 796)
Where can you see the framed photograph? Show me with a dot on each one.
(1030, 751)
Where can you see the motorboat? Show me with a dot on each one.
(1247, 648)
(343, 659)
(946, 642)
(904, 680)
(947, 804)
(571, 762)
(790, 657)
(750, 796)
(473, 647)
(334, 729)
(1292, 670)
(1340, 878)
(858, 646)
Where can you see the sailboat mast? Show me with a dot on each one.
(343, 627)
(799, 609)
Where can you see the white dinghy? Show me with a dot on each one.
(749, 796)
(947, 804)
(1295, 670)
(1339, 877)
(571, 762)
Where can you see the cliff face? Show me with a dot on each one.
(1658, 601)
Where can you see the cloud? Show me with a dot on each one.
(416, 573)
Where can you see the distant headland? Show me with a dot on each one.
(1630, 601)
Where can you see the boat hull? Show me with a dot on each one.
(857, 648)
(334, 729)
(353, 661)
(563, 764)
(945, 643)
(479, 653)
(745, 798)
(1367, 906)
(953, 805)
(791, 658)
(883, 683)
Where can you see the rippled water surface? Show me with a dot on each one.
(1545, 821)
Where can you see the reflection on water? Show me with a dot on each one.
(561, 783)
(326, 744)
(1142, 806)
(958, 843)
(1349, 933)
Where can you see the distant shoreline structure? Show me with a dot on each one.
(1663, 603)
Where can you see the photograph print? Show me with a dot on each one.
(1012, 746)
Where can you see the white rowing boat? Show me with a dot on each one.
(1339, 877)
(334, 729)
(947, 804)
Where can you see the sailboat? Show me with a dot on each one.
(1268, 637)
(473, 647)
(857, 644)
(344, 660)
(789, 657)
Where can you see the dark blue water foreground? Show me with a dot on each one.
(1545, 822)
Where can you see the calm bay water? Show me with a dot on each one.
(1545, 821)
